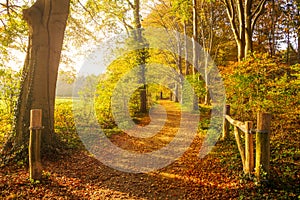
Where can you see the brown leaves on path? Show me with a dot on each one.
(78, 175)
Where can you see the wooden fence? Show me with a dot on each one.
(262, 157)
(35, 165)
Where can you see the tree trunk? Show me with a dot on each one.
(241, 50)
(141, 61)
(272, 46)
(195, 37)
(178, 97)
(298, 48)
(207, 96)
(186, 53)
(243, 17)
(248, 29)
(298, 31)
(206, 36)
(195, 49)
(47, 22)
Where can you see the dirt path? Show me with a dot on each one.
(80, 176)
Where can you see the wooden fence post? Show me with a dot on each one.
(35, 166)
(249, 148)
(263, 145)
(226, 123)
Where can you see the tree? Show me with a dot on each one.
(112, 14)
(267, 34)
(291, 24)
(243, 15)
(141, 53)
(47, 22)
(206, 20)
(195, 49)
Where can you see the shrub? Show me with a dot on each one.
(262, 83)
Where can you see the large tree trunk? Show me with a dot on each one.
(47, 21)
(241, 50)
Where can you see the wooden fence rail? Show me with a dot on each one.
(247, 151)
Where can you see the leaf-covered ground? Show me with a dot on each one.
(76, 174)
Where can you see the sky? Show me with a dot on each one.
(85, 61)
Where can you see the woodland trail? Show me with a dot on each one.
(78, 175)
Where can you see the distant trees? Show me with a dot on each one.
(65, 83)
(291, 24)
(127, 13)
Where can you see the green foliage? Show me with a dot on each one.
(198, 85)
(9, 81)
(106, 87)
(13, 31)
(261, 83)
(64, 123)
(34, 182)
(9, 90)
(182, 9)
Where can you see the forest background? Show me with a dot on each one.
(263, 75)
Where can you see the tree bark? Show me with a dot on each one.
(47, 21)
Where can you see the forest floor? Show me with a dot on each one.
(76, 174)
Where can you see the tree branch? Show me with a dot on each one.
(90, 14)
(230, 11)
(9, 7)
(4, 25)
(258, 12)
(126, 25)
(130, 4)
